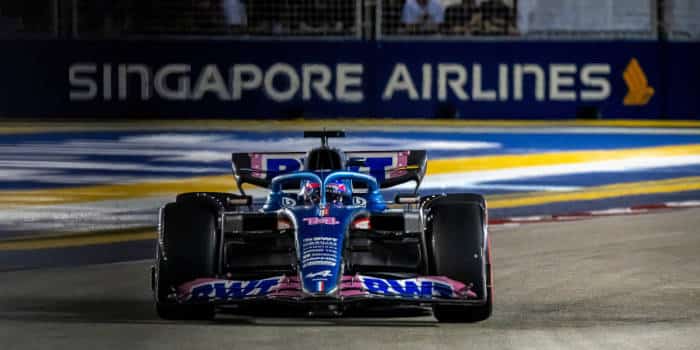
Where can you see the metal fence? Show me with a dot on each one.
(354, 19)
(29, 18)
(590, 19)
(219, 18)
(681, 19)
(530, 19)
(449, 18)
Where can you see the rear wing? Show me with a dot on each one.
(390, 168)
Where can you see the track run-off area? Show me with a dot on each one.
(602, 283)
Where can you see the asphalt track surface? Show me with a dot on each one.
(628, 282)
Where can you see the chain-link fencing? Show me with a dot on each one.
(29, 18)
(219, 18)
(681, 19)
(529, 19)
(354, 19)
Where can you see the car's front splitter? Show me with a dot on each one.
(353, 289)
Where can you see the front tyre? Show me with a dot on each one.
(457, 247)
(186, 251)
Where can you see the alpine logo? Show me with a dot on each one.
(324, 274)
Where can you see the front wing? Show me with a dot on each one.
(357, 288)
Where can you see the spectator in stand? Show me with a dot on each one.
(423, 16)
(235, 14)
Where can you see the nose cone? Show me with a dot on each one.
(320, 239)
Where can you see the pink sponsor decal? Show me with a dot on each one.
(401, 161)
(289, 287)
(326, 220)
(256, 163)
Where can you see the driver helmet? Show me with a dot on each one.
(310, 193)
(337, 192)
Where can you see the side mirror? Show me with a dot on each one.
(406, 198)
(239, 200)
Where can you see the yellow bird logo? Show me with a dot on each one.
(638, 90)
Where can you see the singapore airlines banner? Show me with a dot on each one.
(343, 79)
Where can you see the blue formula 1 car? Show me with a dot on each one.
(325, 239)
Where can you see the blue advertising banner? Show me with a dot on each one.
(682, 75)
(519, 79)
(284, 79)
(184, 79)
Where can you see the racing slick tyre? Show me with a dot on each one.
(187, 251)
(456, 238)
